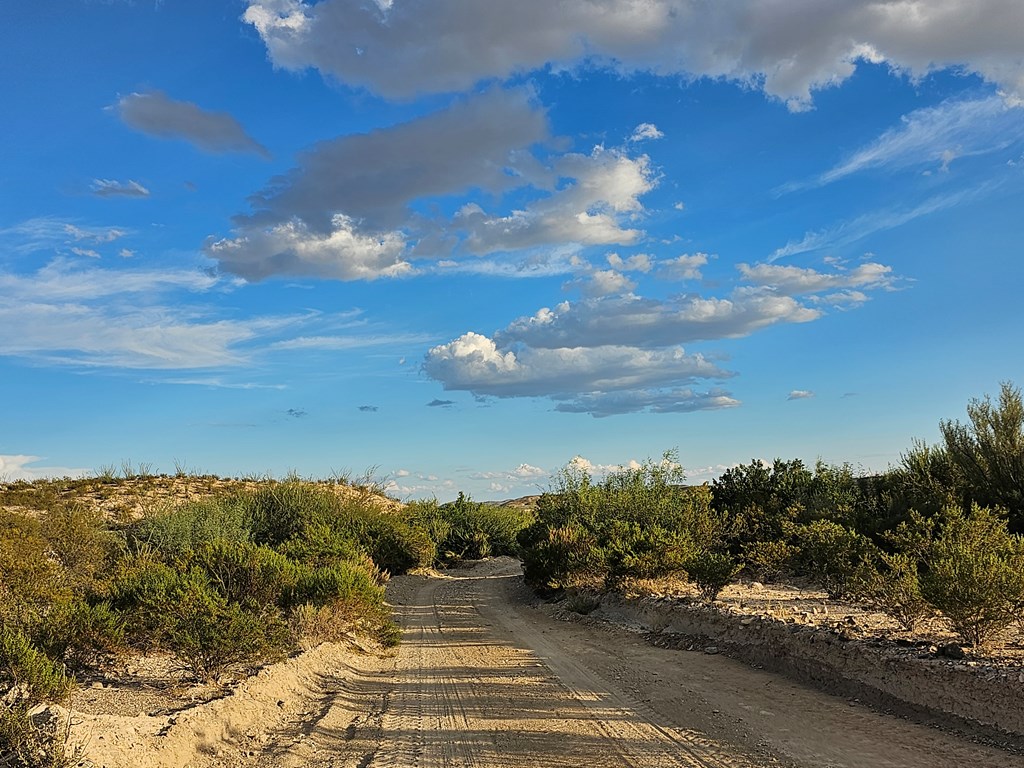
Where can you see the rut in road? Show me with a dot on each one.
(467, 692)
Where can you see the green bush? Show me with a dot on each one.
(833, 555)
(975, 573)
(82, 634)
(208, 634)
(712, 572)
(894, 588)
(556, 558)
(27, 673)
(249, 574)
(175, 531)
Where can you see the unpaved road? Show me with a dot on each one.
(486, 679)
(483, 678)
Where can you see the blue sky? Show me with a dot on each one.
(465, 242)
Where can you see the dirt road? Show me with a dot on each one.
(484, 678)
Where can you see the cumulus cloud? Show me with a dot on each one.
(156, 114)
(352, 208)
(113, 188)
(685, 267)
(590, 379)
(602, 282)
(644, 322)
(639, 262)
(645, 132)
(293, 248)
(800, 394)
(592, 209)
(788, 49)
(371, 178)
(686, 400)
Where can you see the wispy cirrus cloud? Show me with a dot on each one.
(932, 137)
(848, 232)
(114, 188)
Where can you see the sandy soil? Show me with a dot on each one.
(486, 678)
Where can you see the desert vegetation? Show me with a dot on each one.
(939, 534)
(220, 581)
(221, 576)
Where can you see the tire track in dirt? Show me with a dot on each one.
(474, 687)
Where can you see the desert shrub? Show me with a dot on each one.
(208, 634)
(30, 578)
(342, 582)
(712, 572)
(242, 572)
(395, 545)
(583, 603)
(29, 674)
(281, 511)
(465, 529)
(975, 573)
(832, 554)
(140, 588)
(769, 560)
(175, 531)
(81, 543)
(28, 678)
(556, 558)
(82, 634)
(987, 453)
(321, 545)
(636, 551)
(637, 523)
(894, 588)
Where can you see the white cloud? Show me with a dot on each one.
(292, 248)
(639, 262)
(602, 282)
(794, 281)
(849, 232)
(44, 233)
(800, 394)
(638, 321)
(592, 209)
(788, 49)
(475, 363)
(933, 136)
(654, 401)
(113, 188)
(685, 267)
(646, 132)
(87, 252)
(155, 114)
(599, 380)
(67, 314)
(18, 467)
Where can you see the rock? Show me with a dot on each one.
(711, 649)
(747, 621)
(756, 585)
(951, 651)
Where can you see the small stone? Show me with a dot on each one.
(97, 684)
(711, 650)
(756, 585)
(951, 651)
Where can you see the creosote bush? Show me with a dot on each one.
(975, 573)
